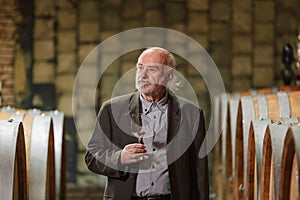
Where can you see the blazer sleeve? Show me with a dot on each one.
(102, 156)
(201, 163)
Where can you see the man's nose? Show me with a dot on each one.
(144, 73)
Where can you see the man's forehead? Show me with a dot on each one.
(156, 65)
(152, 57)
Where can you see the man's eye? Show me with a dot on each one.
(152, 68)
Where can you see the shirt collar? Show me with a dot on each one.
(147, 105)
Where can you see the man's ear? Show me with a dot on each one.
(169, 75)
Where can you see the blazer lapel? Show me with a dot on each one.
(174, 116)
(134, 104)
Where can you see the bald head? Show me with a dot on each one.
(164, 55)
(155, 68)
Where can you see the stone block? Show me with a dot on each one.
(131, 56)
(180, 27)
(89, 10)
(103, 35)
(65, 4)
(132, 9)
(202, 39)
(66, 40)
(226, 76)
(107, 86)
(282, 27)
(154, 4)
(264, 11)
(176, 11)
(242, 22)
(128, 66)
(264, 55)
(197, 5)
(197, 22)
(219, 31)
(64, 83)
(264, 33)
(198, 85)
(221, 53)
(111, 3)
(44, 8)
(263, 76)
(220, 11)
(66, 63)
(64, 104)
(67, 19)
(44, 49)
(85, 97)
(111, 21)
(88, 31)
(86, 51)
(154, 18)
(241, 66)
(88, 75)
(176, 41)
(241, 84)
(114, 67)
(44, 28)
(242, 44)
(43, 72)
(242, 15)
(133, 23)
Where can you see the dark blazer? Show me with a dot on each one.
(186, 131)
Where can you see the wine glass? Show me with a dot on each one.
(138, 128)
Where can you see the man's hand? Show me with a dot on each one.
(133, 153)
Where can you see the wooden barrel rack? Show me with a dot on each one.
(257, 151)
(44, 154)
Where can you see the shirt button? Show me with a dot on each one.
(154, 117)
(152, 184)
(154, 149)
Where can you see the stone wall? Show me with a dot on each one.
(244, 38)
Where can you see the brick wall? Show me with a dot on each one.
(8, 16)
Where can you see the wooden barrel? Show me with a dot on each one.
(60, 157)
(215, 157)
(295, 182)
(278, 107)
(227, 179)
(289, 174)
(281, 106)
(279, 162)
(42, 160)
(226, 146)
(59, 147)
(13, 161)
(255, 155)
(39, 145)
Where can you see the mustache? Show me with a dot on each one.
(141, 80)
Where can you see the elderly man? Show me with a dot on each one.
(165, 165)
